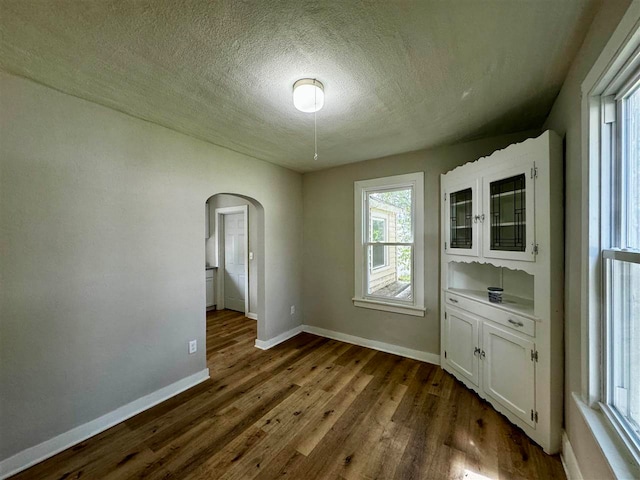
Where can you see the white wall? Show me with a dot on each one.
(565, 118)
(222, 201)
(102, 256)
(329, 248)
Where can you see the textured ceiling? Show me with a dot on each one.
(398, 75)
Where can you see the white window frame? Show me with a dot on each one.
(415, 181)
(618, 60)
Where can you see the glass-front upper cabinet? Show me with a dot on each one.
(508, 221)
(461, 205)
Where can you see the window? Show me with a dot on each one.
(378, 234)
(620, 224)
(610, 248)
(389, 256)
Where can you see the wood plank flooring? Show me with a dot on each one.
(310, 408)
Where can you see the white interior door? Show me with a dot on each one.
(234, 262)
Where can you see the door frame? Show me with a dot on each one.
(219, 218)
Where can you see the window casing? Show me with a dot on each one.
(389, 251)
(603, 89)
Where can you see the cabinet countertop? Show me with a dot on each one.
(511, 303)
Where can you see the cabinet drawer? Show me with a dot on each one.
(521, 324)
(461, 302)
(503, 317)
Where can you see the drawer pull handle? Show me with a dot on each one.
(518, 323)
(453, 300)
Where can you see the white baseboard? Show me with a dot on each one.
(283, 337)
(252, 316)
(569, 460)
(30, 456)
(343, 337)
(374, 344)
(44, 450)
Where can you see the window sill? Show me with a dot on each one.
(389, 307)
(616, 453)
(381, 267)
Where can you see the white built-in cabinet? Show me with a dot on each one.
(502, 227)
(210, 287)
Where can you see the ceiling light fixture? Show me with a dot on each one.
(308, 97)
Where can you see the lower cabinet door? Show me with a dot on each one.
(509, 371)
(461, 342)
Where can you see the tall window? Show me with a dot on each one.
(378, 234)
(389, 257)
(620, 192)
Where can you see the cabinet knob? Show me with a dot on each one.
(517, 324)
(453, 300)
(476, 350)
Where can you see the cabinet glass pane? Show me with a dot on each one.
(507, 200)
(460, 219)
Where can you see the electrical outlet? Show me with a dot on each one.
(293, 309)
(193, 346)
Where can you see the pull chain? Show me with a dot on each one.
(315, 124)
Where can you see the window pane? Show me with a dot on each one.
(378, 256)
(392, 279)
(632, 174)
(624, 327)
(378, 230)
(378, 234)
(395, 207)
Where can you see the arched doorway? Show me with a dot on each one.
(234, 258)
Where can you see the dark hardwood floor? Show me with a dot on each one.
(308, 408)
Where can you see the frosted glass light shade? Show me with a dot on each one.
(308, 95)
